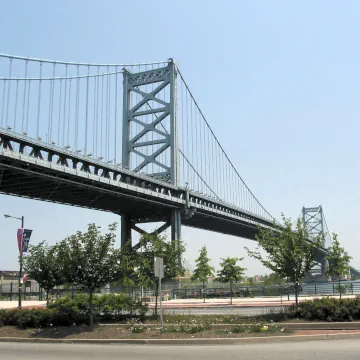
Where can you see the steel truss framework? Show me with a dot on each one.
(35, 169)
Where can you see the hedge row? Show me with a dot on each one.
(328, 309)
(67, 311)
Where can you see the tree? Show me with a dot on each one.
(90, 259)
(203, 269)
(289, 253)
(230, 272)
(272, 279)
(41, 264)
(154, 245)
(338, 261)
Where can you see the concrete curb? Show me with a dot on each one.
(204, 341)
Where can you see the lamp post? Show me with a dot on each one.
(21, 256)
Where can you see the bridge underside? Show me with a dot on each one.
(27, 180)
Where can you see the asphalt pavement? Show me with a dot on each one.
(312, 350)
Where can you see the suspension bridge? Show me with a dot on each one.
(125, 138)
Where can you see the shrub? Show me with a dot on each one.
(191, 327)
(136, 326)
(106, 306)
(329, 309)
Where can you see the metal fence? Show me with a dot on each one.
(10, 291)
(334, 288)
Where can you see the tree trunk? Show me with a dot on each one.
(296, 294)
(230, 293)
(91, 314)
(204, 290)
(339, 287)
(47, 298)
(156, 297)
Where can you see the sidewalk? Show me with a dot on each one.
(237, 302)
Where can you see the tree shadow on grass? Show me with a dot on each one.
(60, 332)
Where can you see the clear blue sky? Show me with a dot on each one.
(277, 80)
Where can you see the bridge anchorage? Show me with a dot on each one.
(75, 134)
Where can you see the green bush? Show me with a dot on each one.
(106, 307)
(329, 309)
(67, 311)
(190, 327)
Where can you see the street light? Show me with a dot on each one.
(21, 256)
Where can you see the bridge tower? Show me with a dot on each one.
(314, 222)
(150, 138)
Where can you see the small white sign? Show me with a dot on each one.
(159, 267)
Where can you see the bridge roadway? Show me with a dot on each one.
(34, 169)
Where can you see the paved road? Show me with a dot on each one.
(313, 350)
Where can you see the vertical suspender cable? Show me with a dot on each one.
(8, 93)
(39, 104)
(116, 100)
(3, 105)
(87, 112)
(77, 109)
(107, 117)
(94, 117)
(16, 99)
(24, 98)
(51, 99)
(65, 93)
(97, 112)
(59, 114)
(27, 107)
(101, 115)
(69, 114)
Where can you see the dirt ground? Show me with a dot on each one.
(113, 332)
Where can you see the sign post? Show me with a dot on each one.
(159, 273)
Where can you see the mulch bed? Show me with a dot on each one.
(113, 332)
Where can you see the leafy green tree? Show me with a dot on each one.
(155, 245)
(338, 261)
(230, 272)
(41, 264)
(288, 253)
(90, 259)
(203, 269)
(273, 279)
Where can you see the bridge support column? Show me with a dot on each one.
(176, 225)
(125, 229)
(324, 267)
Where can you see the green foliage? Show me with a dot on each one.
(230, 272)
(338, 261)
(203, 269)
(90, 259)
(41, 264)
(273, 279)
(191, 327)
(106, 306)
(329, 309)
(136, 326)
(288, 252)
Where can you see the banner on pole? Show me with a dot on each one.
(20, 234)
(26, 240)
(23, 238)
